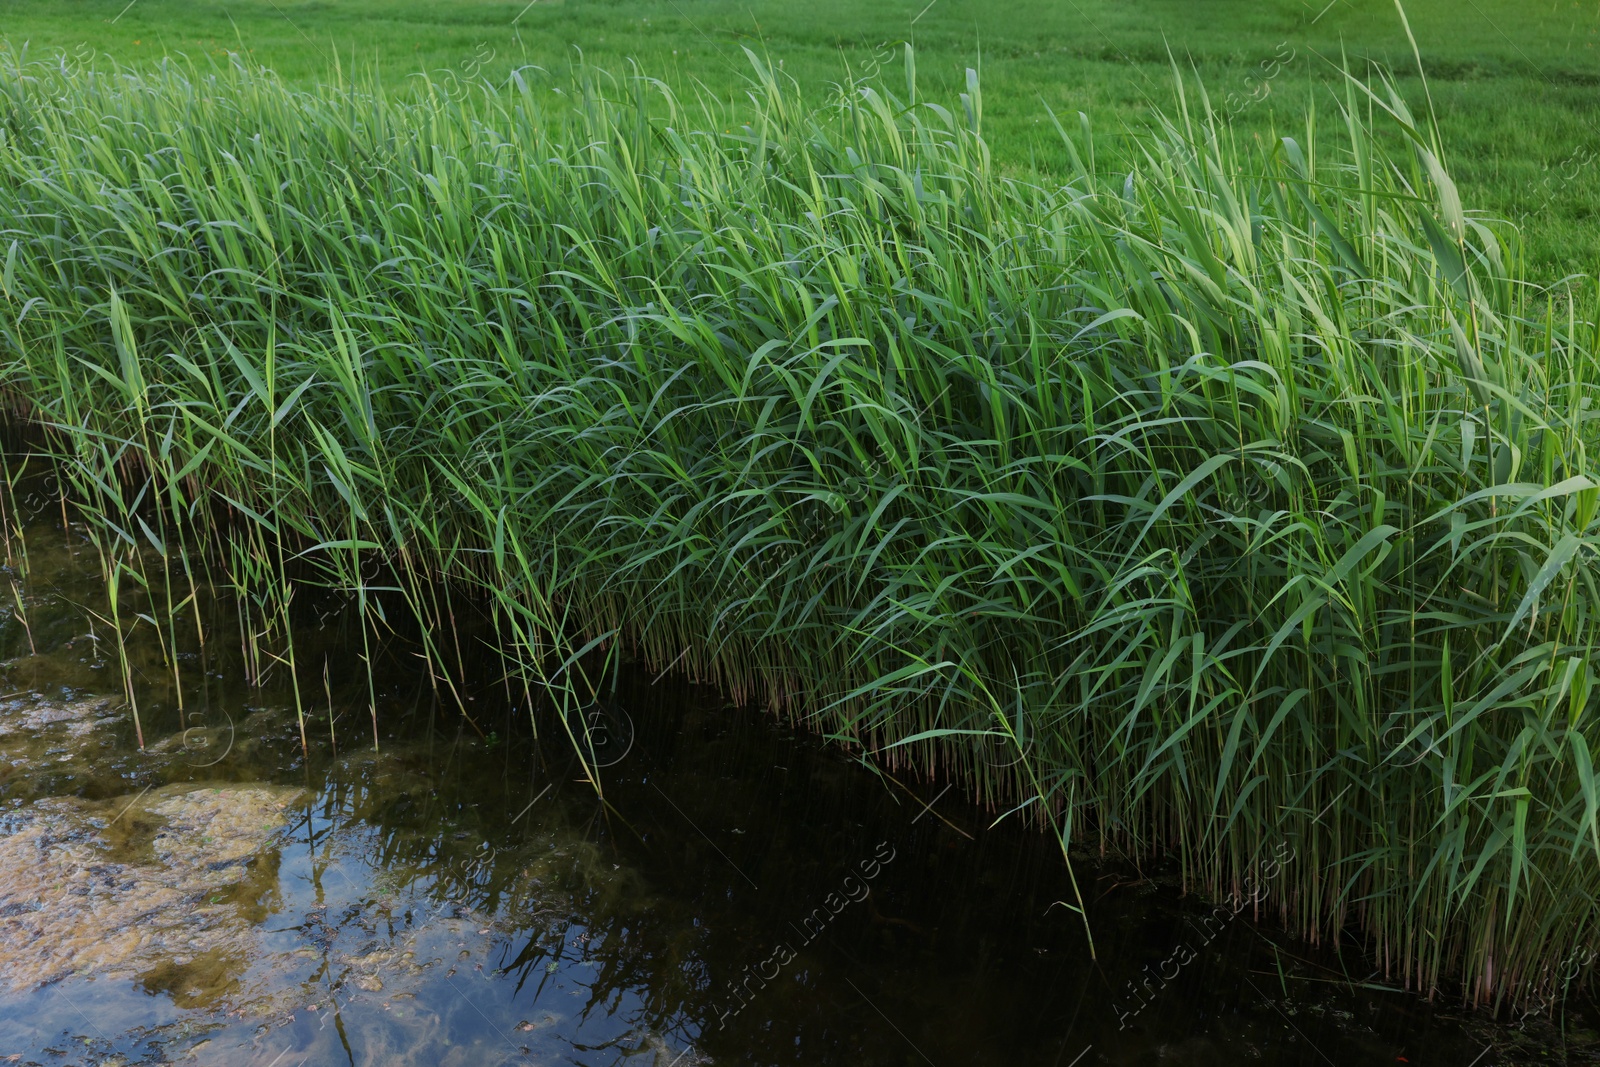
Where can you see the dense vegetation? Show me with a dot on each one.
(1238, 498)
(1513, 81)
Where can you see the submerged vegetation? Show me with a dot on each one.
(1238, 498)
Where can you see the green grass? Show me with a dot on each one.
(1245, 496)
(1514, 81)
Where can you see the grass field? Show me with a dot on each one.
(1517, 84)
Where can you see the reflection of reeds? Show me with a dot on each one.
(22, 616)
(1210, 471)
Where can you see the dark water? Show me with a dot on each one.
(742, 895)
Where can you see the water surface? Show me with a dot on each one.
(742, 894)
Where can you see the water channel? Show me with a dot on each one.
(743, 894)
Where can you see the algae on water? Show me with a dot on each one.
(139, 887)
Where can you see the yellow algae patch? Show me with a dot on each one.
(166, 887)
(30, 720)
(44, 742)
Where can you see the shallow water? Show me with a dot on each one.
(743, 895)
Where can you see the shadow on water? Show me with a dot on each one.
(743, 895)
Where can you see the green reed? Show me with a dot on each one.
(1241, 496)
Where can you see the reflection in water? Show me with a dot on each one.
(745, 895)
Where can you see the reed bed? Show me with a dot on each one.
(1236, 496)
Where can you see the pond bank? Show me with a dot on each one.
(1181, 511)
(457, 899)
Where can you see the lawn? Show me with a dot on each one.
(1514, 83)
